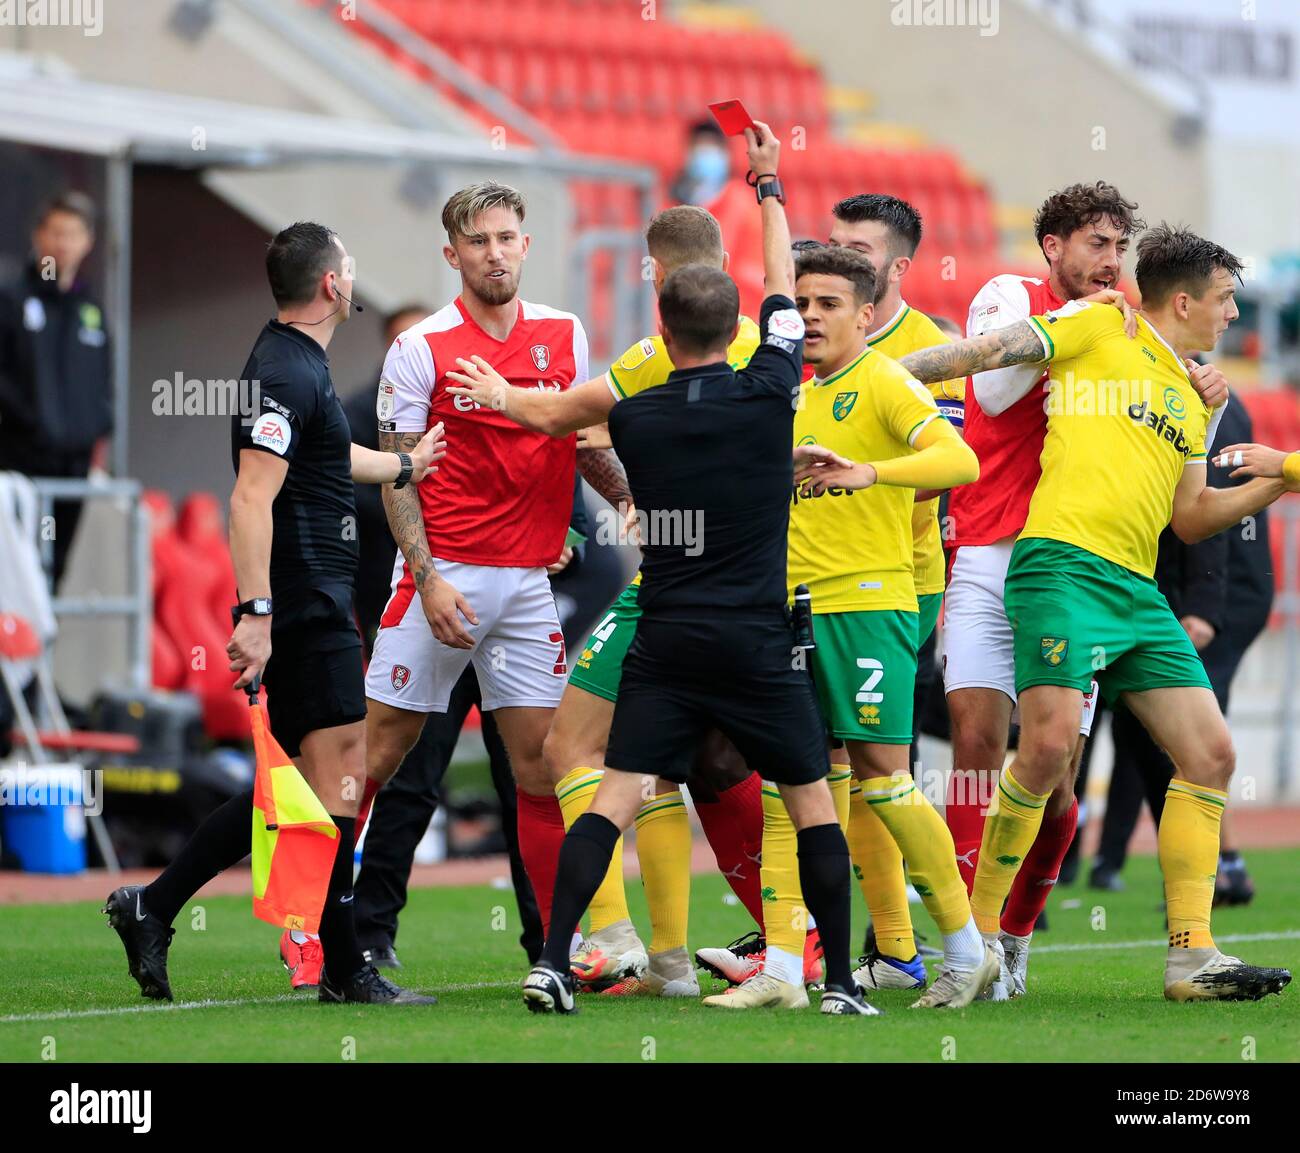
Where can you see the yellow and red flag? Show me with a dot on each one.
(294, 838)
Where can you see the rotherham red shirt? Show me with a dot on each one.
(502, 495)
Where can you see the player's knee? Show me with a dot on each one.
(1213, 764)
(387, 741)
(976, 747)
(561, 754)
(1045, 753)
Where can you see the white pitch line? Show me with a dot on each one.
(1163, 943)
(181, 1006)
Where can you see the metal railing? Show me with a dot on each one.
(136, 604)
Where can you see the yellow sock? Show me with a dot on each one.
(574, 792)
(878, 866)
(841, 781)
(925, 842)
(1014, 818)
(1189, 855)
(785, 920)
(663, 846)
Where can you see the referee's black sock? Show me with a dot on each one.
(584, 860)
(225, 838)
(338, 927)
(824, 878)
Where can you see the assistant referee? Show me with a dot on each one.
(714, 648)
(293, 544)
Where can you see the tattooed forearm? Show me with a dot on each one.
(405, 516)
(1016, 344)
(600, 469)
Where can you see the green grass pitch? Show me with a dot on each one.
(1095, 992)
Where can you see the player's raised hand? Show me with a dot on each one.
(1251, 460)
(1117, 299)
(481, 382)
(597, 436)
(425, 455)
(763, 149)
(1210, 384)
(443, 608)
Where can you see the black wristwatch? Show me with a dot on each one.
(405, 474)
(771, 187)
(257, 607)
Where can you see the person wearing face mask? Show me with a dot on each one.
(707, 180)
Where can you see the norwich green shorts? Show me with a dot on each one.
(599, 666)
(930, 604)
(864, 667)
(1077, 616)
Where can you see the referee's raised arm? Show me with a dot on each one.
(764, 156)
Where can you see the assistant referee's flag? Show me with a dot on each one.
(294, 839)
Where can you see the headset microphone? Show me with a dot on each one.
(358, 307)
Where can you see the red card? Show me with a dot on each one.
(732, 117)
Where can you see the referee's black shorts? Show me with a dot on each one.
(315, 678)
(732, 671)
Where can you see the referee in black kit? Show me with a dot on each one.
(295, 559)
(714, 648)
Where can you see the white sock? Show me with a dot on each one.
(575, 944)
(783, 966)
(812, 922)
(963, 951)
(300, 938)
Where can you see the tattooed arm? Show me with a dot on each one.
(1016, 344)
(441, 600)
(600, 469)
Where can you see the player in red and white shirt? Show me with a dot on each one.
(1083, 232)
(470, 582)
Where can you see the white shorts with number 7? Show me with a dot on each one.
(518, 651)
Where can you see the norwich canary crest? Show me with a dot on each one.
(1053, 650)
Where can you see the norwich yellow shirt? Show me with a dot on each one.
(853, 549)
(1123, 421)
(910, 331)
(646, 363)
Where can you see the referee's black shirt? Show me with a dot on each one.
(708, 460)
(314, 550)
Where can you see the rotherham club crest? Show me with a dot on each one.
(541, 356)
(401, 674)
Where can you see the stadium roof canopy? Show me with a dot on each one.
(44, 105)
(44, 108)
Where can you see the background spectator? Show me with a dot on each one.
(55, 380)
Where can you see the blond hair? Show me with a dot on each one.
(686, 234)
(467, 205)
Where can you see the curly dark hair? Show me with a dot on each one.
(828, 260)
(1065, 212)
(1177, 260)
